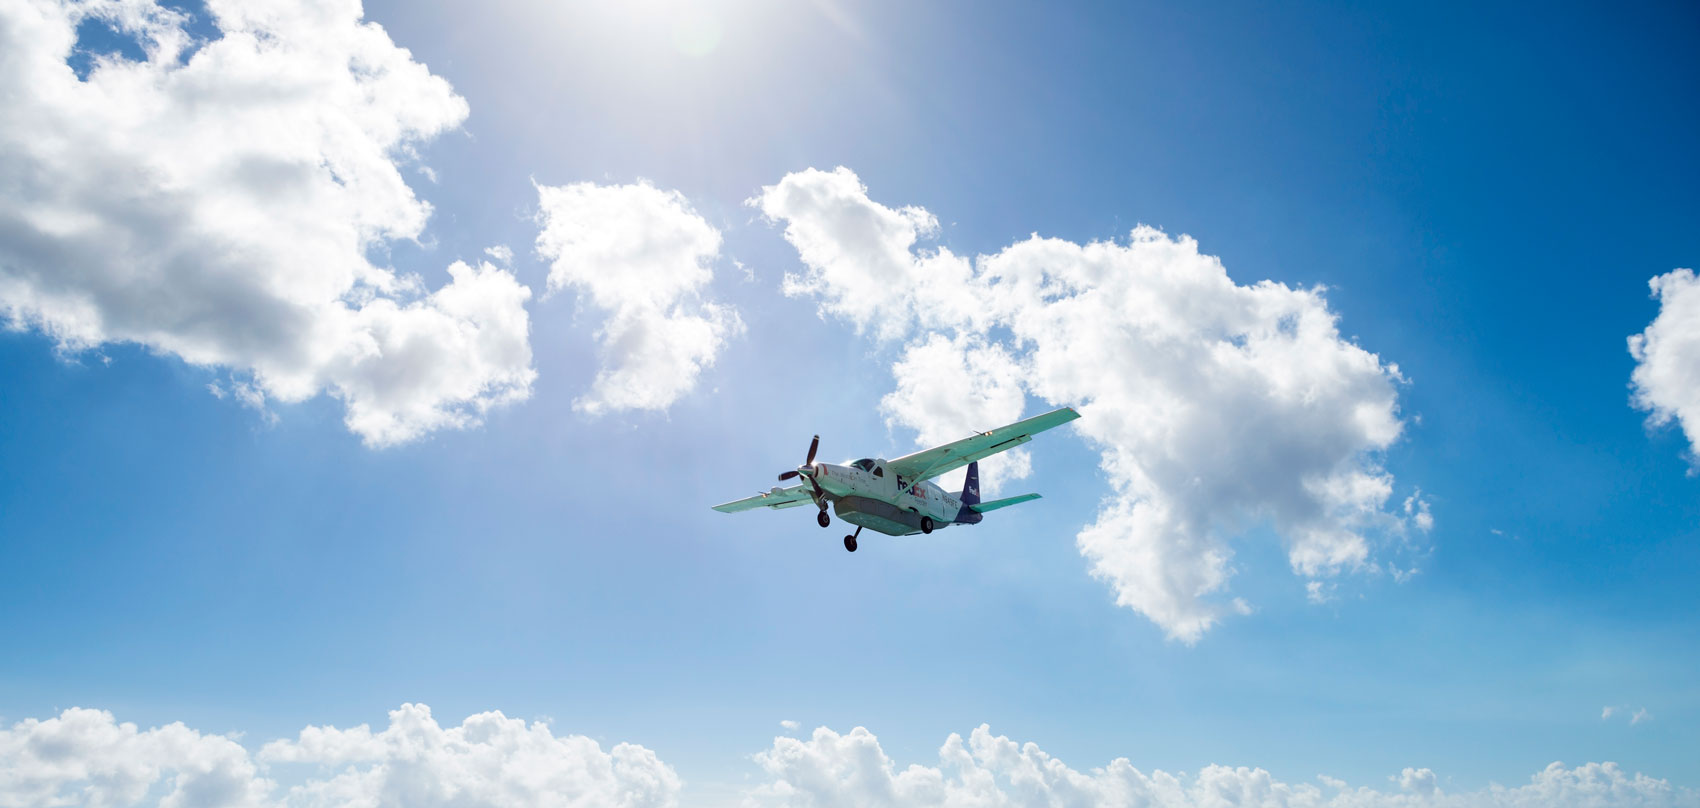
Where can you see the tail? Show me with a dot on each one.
(970, 495)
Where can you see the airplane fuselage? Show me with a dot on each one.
(865, 494)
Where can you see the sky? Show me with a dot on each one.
(368, 374)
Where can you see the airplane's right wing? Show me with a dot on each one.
(776, 499)
(929, 463)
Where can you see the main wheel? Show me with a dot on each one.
(926, 524)
(823, 519)
(850, 543)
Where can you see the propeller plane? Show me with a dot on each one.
(897, 497)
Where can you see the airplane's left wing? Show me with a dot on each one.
(932, 462)
(775, 499)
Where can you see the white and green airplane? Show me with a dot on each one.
(895, 497)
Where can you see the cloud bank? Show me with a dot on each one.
(641, 257)
(87, 758)
(829, 769)
(1218, 407)
(217, 202)
(1666, 380)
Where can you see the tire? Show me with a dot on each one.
(850, 543)
(926, 524)
(823, 520)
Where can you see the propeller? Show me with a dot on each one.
(808, 461)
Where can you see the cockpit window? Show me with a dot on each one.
(864, 464)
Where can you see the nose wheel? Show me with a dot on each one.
(850, 540)
(822, 519)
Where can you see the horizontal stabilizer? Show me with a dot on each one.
(982, 507)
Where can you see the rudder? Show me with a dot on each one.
(970, 494)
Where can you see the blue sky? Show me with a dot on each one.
(1483, 191)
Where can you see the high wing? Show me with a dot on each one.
(775, 499)
(932, 462)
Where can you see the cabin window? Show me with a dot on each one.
(879, 472)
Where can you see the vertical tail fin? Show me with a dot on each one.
(970, 494)
(971, 485)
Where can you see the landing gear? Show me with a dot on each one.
(850, 540)
(926, 524)
(822, 519)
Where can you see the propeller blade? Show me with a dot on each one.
(786, 475)
(813, 445)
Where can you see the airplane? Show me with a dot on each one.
(895, 497)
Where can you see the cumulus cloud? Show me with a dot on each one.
(1217, 406)
(641, 256)
(859, 257)
(87, 758)
(217, 200)
(829, 769)
(1666, 379)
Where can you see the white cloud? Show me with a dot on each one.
(642, 257)
(489, 759)
(829, 769)
(1606, 713)
(790, 725)
(1639, 716)
(1217, 407)
(220, 209)
(859, 257)
(86, 758)
(1666, 380)
(1421, 782)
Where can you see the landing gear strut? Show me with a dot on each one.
(850, 540)
(823, 519)
(926, 524)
